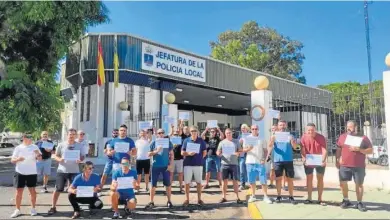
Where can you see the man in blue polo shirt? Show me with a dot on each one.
(86, 178)
(283, 161)
(162, 159)
(121, 147)
(108, 167)
(120, 194)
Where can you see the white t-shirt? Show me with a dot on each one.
(143, 148)
(257, 153)
(29, 165)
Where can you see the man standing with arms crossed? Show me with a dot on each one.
(351, 163)
(314, 144)
(108, 167)
(44, 166)
(67, 170)
(255, 163)
(212, 144)
(229, 150)
(283, 161)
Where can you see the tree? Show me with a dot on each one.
(33, 37)
(261, 49)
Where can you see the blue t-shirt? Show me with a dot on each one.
(117, 157)
(94, 180)
(161, 159)
(197, 159)
(282, 152)
(109, 158)
(126, 193)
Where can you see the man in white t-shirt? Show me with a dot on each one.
(25, 157)
(81, 139)
(255, 163)
(143, 160)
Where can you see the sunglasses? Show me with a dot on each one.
(194, 131)
(90, 168)
(254, 129)
(160, 132)
(125, 164)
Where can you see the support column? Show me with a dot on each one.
(386, 90)
(261, 102)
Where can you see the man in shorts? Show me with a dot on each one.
(178, 160)
(271, 185)
(351, 163)
(283, 161)
(123, 195)
(67, 170)
(24, 156)
(229, 150)
(245, 130)
(46, 147)
(143, 160)
(314, 144)
(108, 167)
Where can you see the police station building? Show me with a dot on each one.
(206, 88)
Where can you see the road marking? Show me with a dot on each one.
(252, 208)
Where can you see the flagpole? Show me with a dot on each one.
(97, 107)
(114, 107)
(81, 80)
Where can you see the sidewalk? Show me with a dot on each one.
(377, 202)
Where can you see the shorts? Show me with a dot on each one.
(358, 174)
(62, 179)
(310, 170)
(254, 171)
(213, 159)
(177, 166)
(125, 198)
(143, 165)
(107, 168)
(44, 167)
(230, 172)
(21, 181)
(195, 171)
(156, 171)
(286, 166)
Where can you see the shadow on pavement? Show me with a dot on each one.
(371, 206)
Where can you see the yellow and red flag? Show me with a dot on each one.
(100, 65)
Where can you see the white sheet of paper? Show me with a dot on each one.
(176, 140)
(353, 141)
(121, 147)
(84, 191)
(192, 147)
(71, 155)
(47, 145)
(212, 123)
(282, 137)
(228, 149)
(125, 182)
(274, 113)
(185, 116)
(314, 159)
(144, 125)
(251, 141)
(170, 120)
(163, 142)
(244, 135)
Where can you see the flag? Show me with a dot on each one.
(100, 65)
(116, 63)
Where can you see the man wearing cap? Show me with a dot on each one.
(25, 157)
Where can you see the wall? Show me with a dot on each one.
(320, 120)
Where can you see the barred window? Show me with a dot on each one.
(82, 105)
(130, 100)
(88, 103)
(141, 103)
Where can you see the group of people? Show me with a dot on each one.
(184, 151)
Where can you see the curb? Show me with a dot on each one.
(254, 212)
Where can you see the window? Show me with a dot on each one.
(82, 104)
(291, 125)
(141, 99)
(130, 100)
(88, 103)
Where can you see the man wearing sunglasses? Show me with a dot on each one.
(193, 164)
(178, 159)
(86, 179)
(67, 169)
(162, 158)
(123, 183)
(143, 160)
(46, 147)
(108, 167)
(25, 157)
(121, 147)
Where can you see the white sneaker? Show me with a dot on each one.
(252, 199)
(16, 213)
(267, 200)
(33, 212)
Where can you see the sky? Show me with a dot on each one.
(333, 33)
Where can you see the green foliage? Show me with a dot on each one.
(33, 37)
(262, 49)
(353, 97)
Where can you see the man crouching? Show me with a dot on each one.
(122, 189)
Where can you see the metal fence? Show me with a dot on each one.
(132, 122)
(356, 102)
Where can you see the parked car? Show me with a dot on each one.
(379, 155)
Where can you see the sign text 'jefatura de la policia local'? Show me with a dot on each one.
(164, 61)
